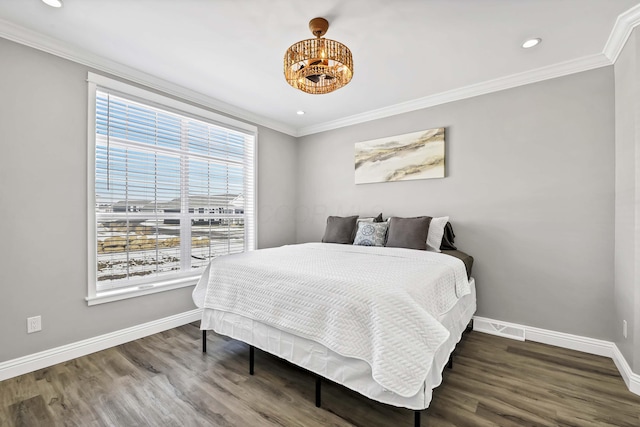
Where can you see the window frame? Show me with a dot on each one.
(98, 82)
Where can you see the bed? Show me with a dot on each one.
(380, 321)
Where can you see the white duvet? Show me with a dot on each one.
(372, 303)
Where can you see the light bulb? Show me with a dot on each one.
(531, 43)
(53, 3)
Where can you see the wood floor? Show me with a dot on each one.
(165, 380)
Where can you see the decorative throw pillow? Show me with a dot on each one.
(436, 232)
(340, 229)
(410, 233)
(371, 233)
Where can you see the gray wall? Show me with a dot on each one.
(277, 177)
(43, 199)
(529, 189)
(627, 201)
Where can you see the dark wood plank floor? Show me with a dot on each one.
(165, 380)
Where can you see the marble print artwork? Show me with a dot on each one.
(417, 155)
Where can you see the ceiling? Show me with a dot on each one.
(403, 50)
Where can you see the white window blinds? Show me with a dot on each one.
(172, 192)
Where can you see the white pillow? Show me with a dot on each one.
(367, 219)
(436, 233)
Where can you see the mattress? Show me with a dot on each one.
(352, 373)
(376, 304)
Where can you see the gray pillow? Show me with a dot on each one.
(340, 229)
(410, 233)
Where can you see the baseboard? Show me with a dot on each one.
(564, 340)
(572, 342)
(545, 336)
(499, 328)
(631, 379)
(43, 359)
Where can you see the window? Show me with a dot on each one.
(171, 187)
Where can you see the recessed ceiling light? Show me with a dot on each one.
(53, 3)
(300, 112)
(531, 43)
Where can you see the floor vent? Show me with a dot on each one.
(501, 329)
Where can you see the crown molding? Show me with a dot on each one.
(557, 70)
(18, 34)
(622, 29)
(625, 23)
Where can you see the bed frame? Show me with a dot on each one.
(417, 413)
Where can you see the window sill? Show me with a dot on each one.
(137, 291)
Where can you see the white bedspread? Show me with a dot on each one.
(375, 304)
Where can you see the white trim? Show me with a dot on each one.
(622, 29)
(557, 70)
(545, 336)
(43, 359)
(92, 248)
(570, 341)
(631, 379)
(254, 235)
(118, 294)
(18, 34)
(499, 328)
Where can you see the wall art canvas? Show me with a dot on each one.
(417, 155)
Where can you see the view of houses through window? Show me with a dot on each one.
(170, 191)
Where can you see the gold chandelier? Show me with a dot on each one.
(318, 65)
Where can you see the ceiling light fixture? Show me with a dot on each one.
(53, 3)
(319, 65)
(531, 43)
(300, 112)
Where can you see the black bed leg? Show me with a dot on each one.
(318, 391)
(252, 352)
(204, 341)
(469, 326)
(416, 422)
(450, 362)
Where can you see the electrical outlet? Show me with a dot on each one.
(624, 328)
(34, 324)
